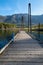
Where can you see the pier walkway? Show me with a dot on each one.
(23, 51)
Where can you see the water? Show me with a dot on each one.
(38, 35)
(5, 37)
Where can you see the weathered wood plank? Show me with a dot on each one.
(23, 51)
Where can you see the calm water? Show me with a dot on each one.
(5, 37)
(38, 35)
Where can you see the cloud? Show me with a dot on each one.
(19, 8)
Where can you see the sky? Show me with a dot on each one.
(9, 7)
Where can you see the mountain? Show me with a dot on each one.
(37, 19)
(16, 19)
(2, 18)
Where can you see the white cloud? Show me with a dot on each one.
(19, 8)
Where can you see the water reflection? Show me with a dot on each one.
(38, 35)
(5, 37)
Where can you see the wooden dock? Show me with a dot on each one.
(23, 51)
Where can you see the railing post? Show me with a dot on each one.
(29, 18)
(22, 22)
(39, 31)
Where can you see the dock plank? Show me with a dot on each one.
(23, 51)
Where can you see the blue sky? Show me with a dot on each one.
(9, 7)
